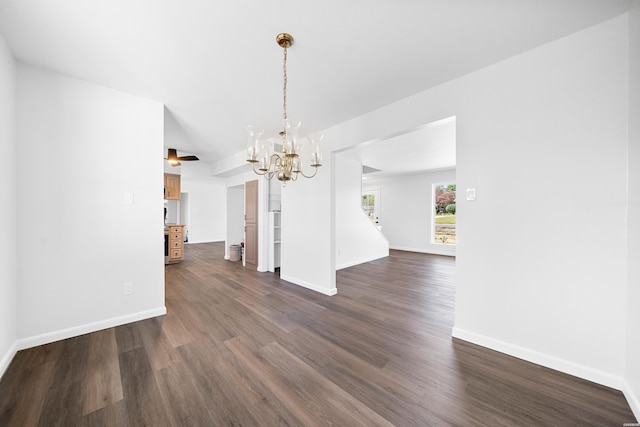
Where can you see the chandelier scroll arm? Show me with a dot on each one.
(258, 171)
(301, 172)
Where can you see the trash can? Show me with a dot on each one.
(235, 253)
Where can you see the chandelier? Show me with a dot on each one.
(282, 158)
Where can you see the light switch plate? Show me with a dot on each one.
(471, 194)
(128, 198)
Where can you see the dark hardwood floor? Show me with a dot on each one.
(245, 348)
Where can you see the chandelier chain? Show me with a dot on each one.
(284, 84)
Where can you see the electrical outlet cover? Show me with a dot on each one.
(127, 288)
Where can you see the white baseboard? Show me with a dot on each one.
(435, 251)
(542, 359)
(632, 399)
(311, 286)
(360, 261)
(195, 242)
(75, 331)
(8, 357)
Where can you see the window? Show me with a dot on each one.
(444, 218)
(371, 204)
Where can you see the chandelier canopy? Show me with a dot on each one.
(282, 158)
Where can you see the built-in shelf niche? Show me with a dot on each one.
(275, 240)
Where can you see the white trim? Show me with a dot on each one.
(632, 399)
(8, 357)
(311, 286)
(425, 251)
(360, 261)
(195, 242)
(75, 331)
(542, 359)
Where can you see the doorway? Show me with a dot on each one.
(235, 218)
(185, 217)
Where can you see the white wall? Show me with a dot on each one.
(275, 195)
(88, 220)
(633, 215)
(207, 209)
(172, 211)
(407, 211)
(549, 126)
(8, 171)
(357, 238)
(308, 231)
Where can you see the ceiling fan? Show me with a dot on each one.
(174, 160)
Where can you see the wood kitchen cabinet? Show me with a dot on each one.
(176, 242)
(171, 186)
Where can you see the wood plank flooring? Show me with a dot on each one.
(243, 348)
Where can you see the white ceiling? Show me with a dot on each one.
(217, 68)
(430, 147)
